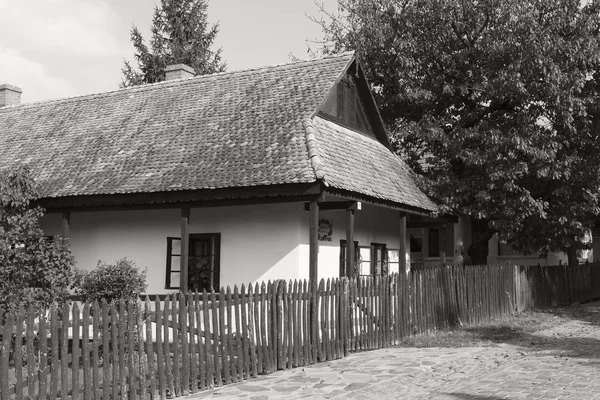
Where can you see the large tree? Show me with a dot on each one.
(499, 97)
(181, 34)
(34, 271)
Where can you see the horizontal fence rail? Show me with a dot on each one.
(176, 345)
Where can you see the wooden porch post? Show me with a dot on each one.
(350, 243)
(313, 240)
(424, 244)
(402, 251)
(442, 244)
(185, 243)
(66, 225)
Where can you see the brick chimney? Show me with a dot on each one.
(9, 95)
(179, 71)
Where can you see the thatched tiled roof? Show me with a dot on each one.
(238, 129)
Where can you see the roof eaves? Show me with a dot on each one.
(313, 150)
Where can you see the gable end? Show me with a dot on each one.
(351, 104)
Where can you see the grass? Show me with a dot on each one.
(507, 329)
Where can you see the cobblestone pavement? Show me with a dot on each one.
(561, 362)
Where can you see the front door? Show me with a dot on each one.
(204, 262)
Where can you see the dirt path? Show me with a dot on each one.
(501, 361)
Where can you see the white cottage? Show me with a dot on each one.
(222, 179)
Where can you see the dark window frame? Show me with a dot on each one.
(171, 269)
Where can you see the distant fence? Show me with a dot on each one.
(555, 286)
(180, 345)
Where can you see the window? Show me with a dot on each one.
(343, 257)
(393, 261)
(173, 263)
(379, 262)
(370, 260)
(364, 261)
(434, 243)
(416, 244)
(203, 262)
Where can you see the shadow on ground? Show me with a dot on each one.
(576, 334)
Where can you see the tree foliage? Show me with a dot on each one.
(33, 270)
(499, 97)
(181, 34)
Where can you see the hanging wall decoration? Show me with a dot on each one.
(325, 230)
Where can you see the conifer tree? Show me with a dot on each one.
(181, 34)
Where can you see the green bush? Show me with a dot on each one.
(111, 282)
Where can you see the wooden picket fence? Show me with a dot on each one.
(184, 344)
(555, 286)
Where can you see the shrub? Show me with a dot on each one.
(111, 282)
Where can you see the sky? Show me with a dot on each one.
(61, 48)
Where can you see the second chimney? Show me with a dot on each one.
(10, 95)
(179, 71)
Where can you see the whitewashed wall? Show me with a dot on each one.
(259, 242)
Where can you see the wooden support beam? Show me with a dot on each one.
(313, 241)
(403, 244)
(66, 227)
(334, 205)
(350, 243)
(185, 245)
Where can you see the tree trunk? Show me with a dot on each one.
(480, 236)
(572, 257)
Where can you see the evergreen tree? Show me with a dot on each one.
(500, 97)
(181, 34)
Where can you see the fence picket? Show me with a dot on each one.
(95, 345)
(177, 331)
(253, 337)
(54, 340)
(31, 367)
(85, 352)
(185, 327)
(199, 311)
(141, 350)
(130, 378)
(242, 324)
(18, 355)
(106, 383)
(150, 349)
(5, 356)
(306, 332)
(216, 328)
(223, 338)
(240, 333)
(208, 342)
(296, 325)
(75, 352)
(43, 358)
(160, 364)
(114, 321)
(194, 333)
(230, 350)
